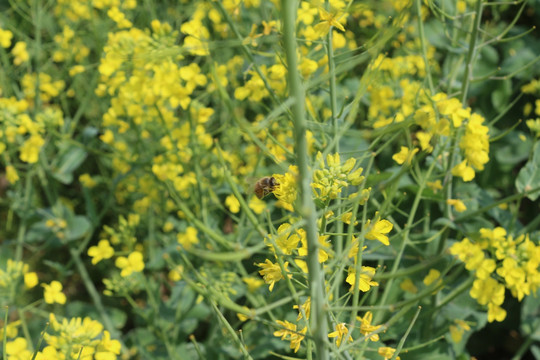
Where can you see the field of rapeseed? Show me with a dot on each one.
(249, 179)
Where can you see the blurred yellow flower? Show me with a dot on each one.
(53, 293)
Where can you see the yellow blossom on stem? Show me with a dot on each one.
(366, 328)
(487, 291)
(5, 38)
(18, 349)
(405, 155)
(340, 332)
(290, 333)
(102, 250)
(464, 171)
(252, 283)
(130, 264)
(30, 149)
(176, 273)
(328, 19)
(408, 285)
(366, 276)
(286, 190)
(232, 203)
(378, 231)
(30, 280)
(387, 353)
(271, 272)
(19, 53)
(53, 293)
(434, 185)
(189, 238)
(457, 204)
(306, 308)
(257, 205)
(432, 276)
(11, 174)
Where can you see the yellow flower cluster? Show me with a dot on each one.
(499, 261)
(11, 277)
(329, 180)
(78, 338)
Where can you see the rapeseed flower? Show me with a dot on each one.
(271, 272)
(366, 328)
(290, 333)
(5, 38)
(53, 293)
(101, 251)
(365, 282)
(20, 55)
(130, 264)
(378, 231)
(457, 204)
(387, 353)
(405, 155)
(18, 349)
(189, 238)
(340, 332)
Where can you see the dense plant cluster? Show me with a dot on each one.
(396, 141)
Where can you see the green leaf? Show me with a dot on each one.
(78, 226)
(501, 95)
(529, 175)
(70, 159)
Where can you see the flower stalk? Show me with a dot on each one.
(307, 210)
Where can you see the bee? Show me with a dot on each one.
(265, 186)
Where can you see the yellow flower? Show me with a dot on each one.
(328, 20)
(434, 185)
(387, 353)
(19, 53)
(495, 313)
(87, 181)
(30, 279)
(11, 174)
(233, 204)
(289, 332)
(189, 238)
(404, 155)
(408, 285)
(257, 205)
(133, 263)
(271, 272)
(18, 349)
(432, 276)
(365, 282)
(464, 171)
(5, 38)
(306, 308)
(53, 293)
(103, 250)
(378, 231)
(457, 204)
(340, 332)
(286, 190)
(30, 149)
(176, 273)
(252, 283)
(366, 328)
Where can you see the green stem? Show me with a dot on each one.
(307, 208)
(424, 47)
(22, 228)
(405, 240)
(472, 49)
(333, 108)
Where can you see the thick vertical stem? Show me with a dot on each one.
(306, 209)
